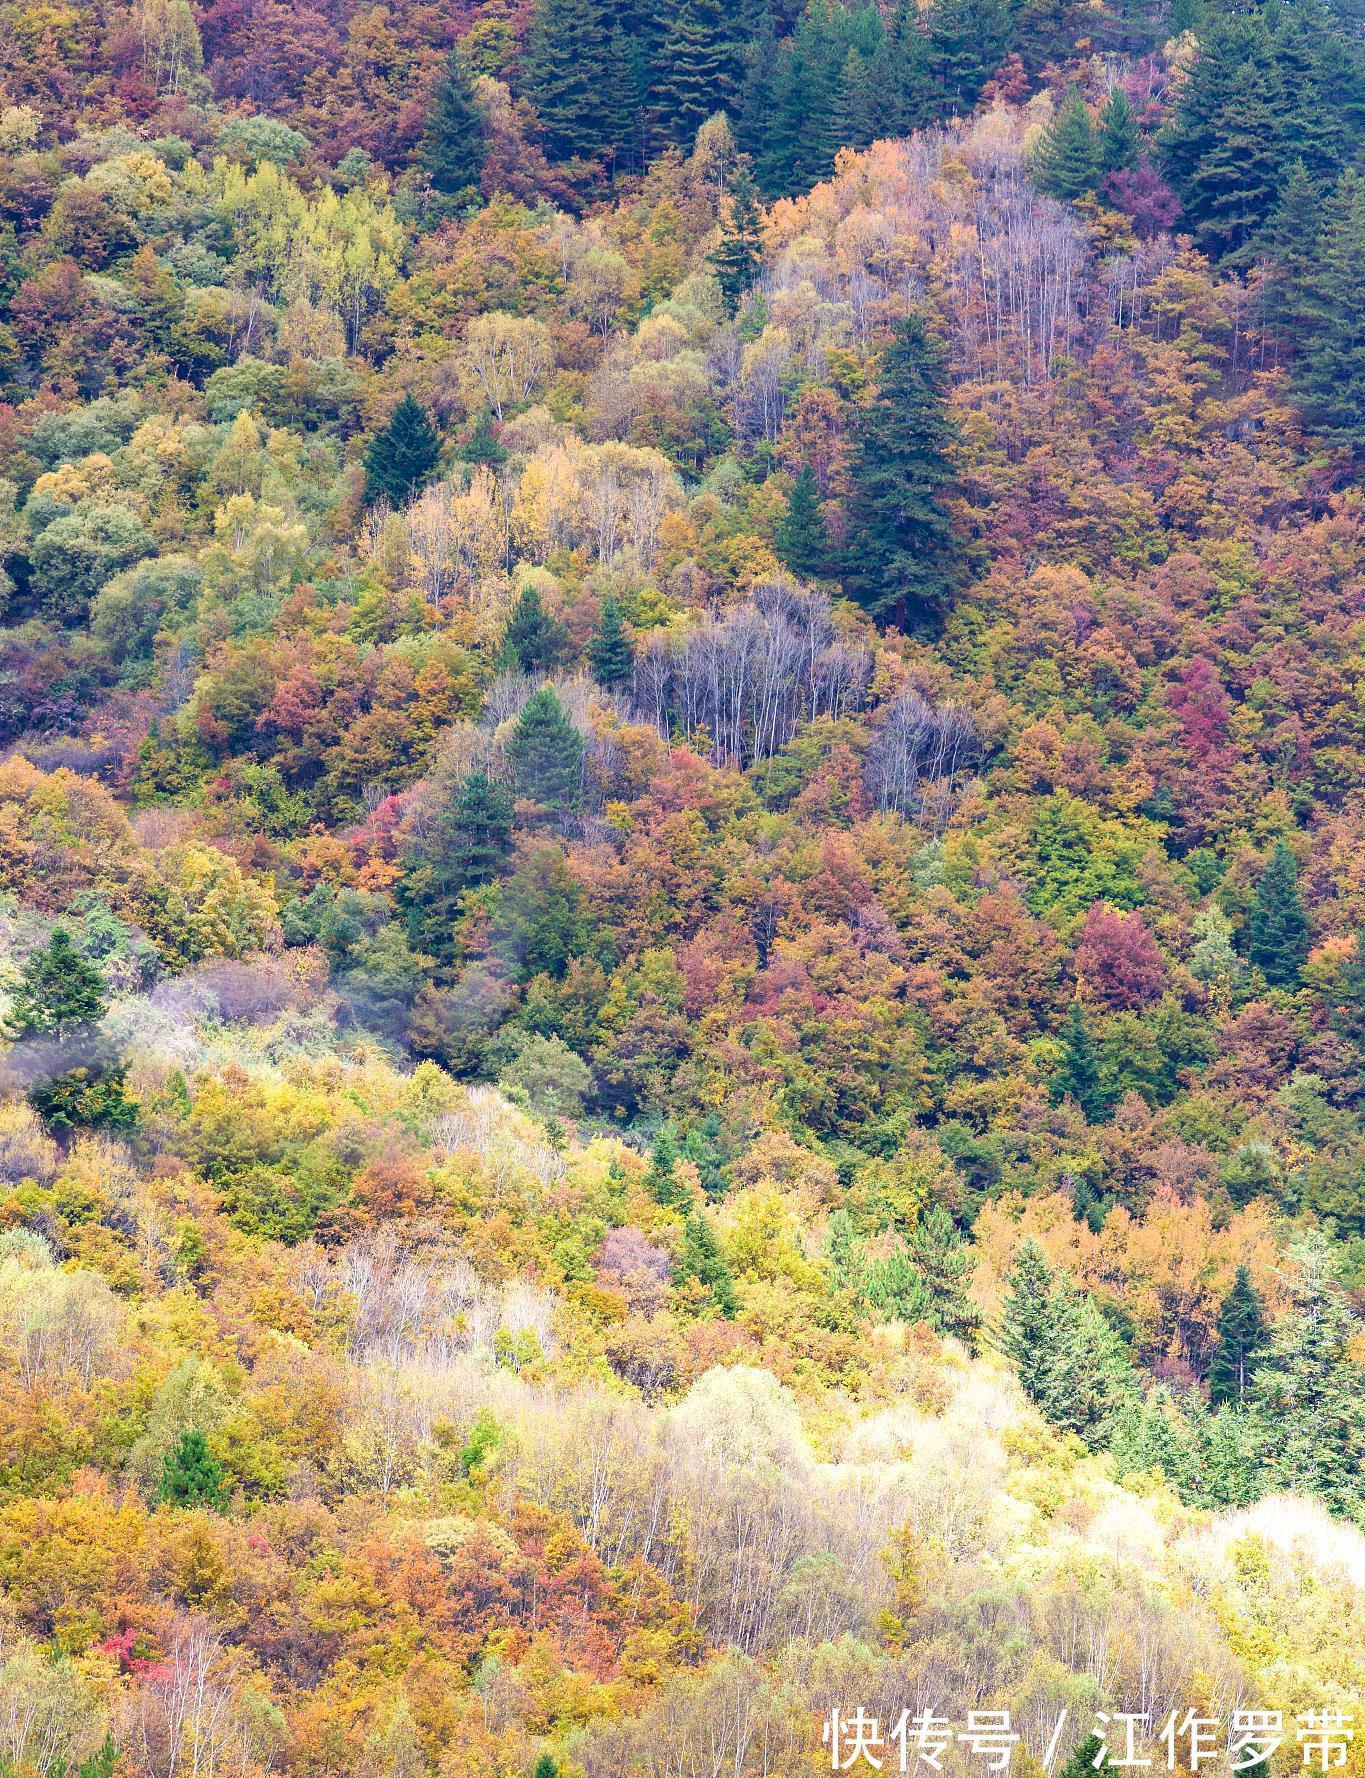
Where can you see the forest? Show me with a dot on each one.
(682, 881)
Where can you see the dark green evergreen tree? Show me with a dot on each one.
(1348, 1013)
(801, 540)
(703, 1260)
(1088, 1376)
(59, 993)
(1241, 1335)
(968, 40)
(1047, 31)
(904, 562)
(1225, 148)
(455, 136)
(1025, 1329)
(564, 75)
(483, 446)
(1065, 163)
(662, 1180)
(609, 651)
(190, 1475)
(694, 73)
(546, 1766)
(738, 257)
(1078, 1072)
(945, 1262)
(1084, 1759)
(623, 103)
(466, 844)
(1311, 1391)
(546, 752)
(1116, 140)
(403, 457)
(1275, 937)
(532, 640)
(1331, 373)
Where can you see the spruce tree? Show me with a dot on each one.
(1310, 1389)
(403, 457)
(801, 540)
(1290, 251)
(1084, 1759)
(693, 73)
(1225, 147)
(532, 641)
(609, 651)
(564, 76)
(546, 752)
(1065, 163)
(1078, 1072)
(703, 1260)
(1025, 1330)
(738, 257)
(1331, 374)
(1116, 141)
(455, 136)
(1275, 937)
(483, 447)
(190, 1475)
(467, 842)
(623, 100)
(1047, 31)
(662, 1181)
(59, 994)
(904, 562)
(945, 1263)
(967, 41)
(1087, 1376)
(1241, 1335)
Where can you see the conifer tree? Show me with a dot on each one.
(738, 257)
(1241, 1335)
(532, 640)
(623, 100)
(1065, 164)
(1116, 141)
(945, 1263)
(1275, 937)
(1084, 1759)
(483, 446)
(468, 842)
(1311, 1391)
(191, 1475)
(1224, 149)
(403, 457)
(903, 560)
(1087, 1375)
(564, 76)
(703, 1260)
(59, 993)
(801, 540)
(455, 136)
(1349, 1011)
(662, 1181)
(609, 651)
(693, 73)
(546, 752)
(968, 40)
(1025, 1328)
(1078, 1073)
(1331, 375)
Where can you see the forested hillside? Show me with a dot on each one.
(682, 879)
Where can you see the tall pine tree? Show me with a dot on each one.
(564, 76)
(1275, 937)
(403, 457)
(546, 752)
(1241, 1335)
(904, 562)
(455, 136)
(801, 540)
